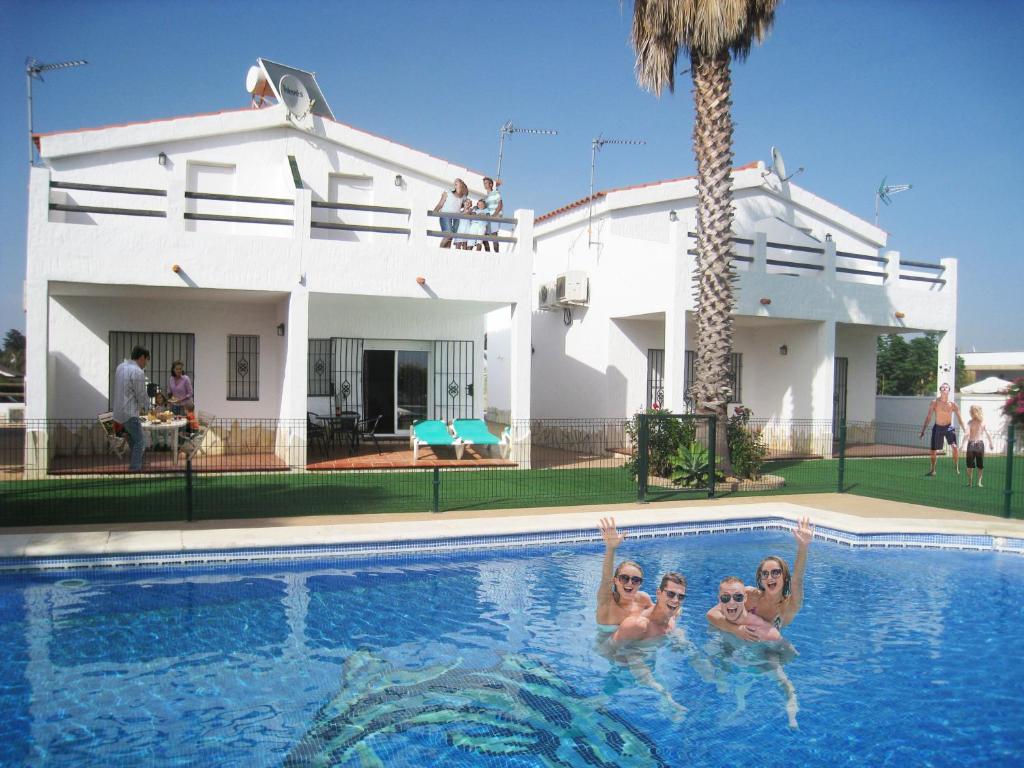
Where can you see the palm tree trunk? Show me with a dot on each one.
(712, 144)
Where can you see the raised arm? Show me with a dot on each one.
(612, 540)
(804, 534)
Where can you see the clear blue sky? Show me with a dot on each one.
(927, 92)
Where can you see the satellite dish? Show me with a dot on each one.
(779, 167)
(778, 164)
(295, 96)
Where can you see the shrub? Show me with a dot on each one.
(1014, 406)
(666, 432)
(746, 448)
(690, 466)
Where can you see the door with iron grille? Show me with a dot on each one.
(164, 349)
(454, 379)
(347, 374)
(655, 378)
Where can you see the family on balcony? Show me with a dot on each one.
(457, 201)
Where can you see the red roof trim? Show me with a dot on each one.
(603, 193)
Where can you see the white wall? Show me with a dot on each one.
(909, 409)
(79, 354)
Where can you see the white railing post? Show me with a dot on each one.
(892, 267)
(829, 261)
(759, 253)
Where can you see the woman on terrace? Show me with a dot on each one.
(180, 388)
(451, 202)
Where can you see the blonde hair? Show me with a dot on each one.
(976, 413)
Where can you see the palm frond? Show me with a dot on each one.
(702, 28)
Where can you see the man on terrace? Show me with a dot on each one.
(130, 400)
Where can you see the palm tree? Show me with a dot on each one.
(712, 32)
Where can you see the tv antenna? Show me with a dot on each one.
(595, 147)
(885, 192)
(34, 70)
(778, 167)
(507, 130)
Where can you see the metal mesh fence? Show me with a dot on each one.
(70, 472)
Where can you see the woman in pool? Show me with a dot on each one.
(619, 594)
(778, 596)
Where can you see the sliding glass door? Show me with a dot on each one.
(395, 387)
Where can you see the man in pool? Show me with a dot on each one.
(731, 606)
(652, 624)
(732, 594)
(943, 429)
(659, 619)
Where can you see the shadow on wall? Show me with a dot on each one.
(562, 386)
(71, 396)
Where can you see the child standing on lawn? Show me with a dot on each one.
(975, 446)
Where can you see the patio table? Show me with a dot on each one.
(158, 432)
(343, 425)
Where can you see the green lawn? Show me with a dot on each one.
(123, 498)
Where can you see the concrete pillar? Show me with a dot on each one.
(292, 437)
(37, 329)
(892, 267)
(675, 321)
(176, 201)
(823, 383)
(519, 384)
(947, 343)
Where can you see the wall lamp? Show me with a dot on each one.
(280, 329)
(399, 180)
(783, 350)
(162, 158)
(828, 237)
(766, 301)
(900, 315)
(421, 280)
(673, 216)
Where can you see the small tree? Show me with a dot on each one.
(13, 355)
(666, 432)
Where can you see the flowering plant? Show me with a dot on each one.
(1014, 406)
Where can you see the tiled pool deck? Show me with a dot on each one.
(849, 519)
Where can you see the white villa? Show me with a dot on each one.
(614, 291)
(289, 260)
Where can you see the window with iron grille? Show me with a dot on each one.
(164, 349)
(319, 363)
(735, 376)
(243, 367)
(655, 377)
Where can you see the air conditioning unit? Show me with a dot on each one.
(572, 288)
(546, 296)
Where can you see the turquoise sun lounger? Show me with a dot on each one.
(475, 432)
(432, 432)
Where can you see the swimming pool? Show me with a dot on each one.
(906, 657)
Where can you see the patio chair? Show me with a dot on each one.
(368, 428)
(117, 443)
(432, 432)
(316, 433)
(475, 432)
(191, 444)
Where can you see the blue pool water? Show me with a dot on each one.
(906, 657)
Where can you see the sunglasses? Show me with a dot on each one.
(774, 573)
(680, 596)
(624, 579)
(738, 597)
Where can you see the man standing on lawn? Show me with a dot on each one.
(130, 400)
(942, 429)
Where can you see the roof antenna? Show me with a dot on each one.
(885, 193)
(595, 147)
(34, 69)
(507, 130)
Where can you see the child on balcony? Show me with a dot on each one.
(464, 226)
(478, 227)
